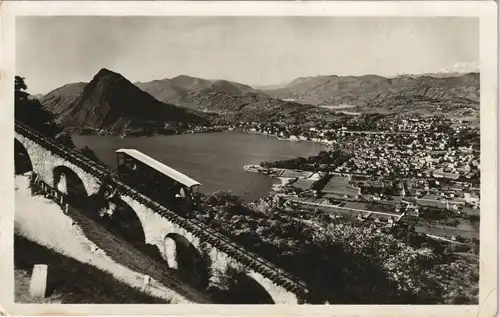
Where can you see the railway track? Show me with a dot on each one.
(206, 233)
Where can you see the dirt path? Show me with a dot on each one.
(42, 221)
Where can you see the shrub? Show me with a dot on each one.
(89, 153)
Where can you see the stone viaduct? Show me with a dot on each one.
(172, 234)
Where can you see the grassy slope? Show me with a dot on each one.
(119, 251)
(125, 254)
(70, 281)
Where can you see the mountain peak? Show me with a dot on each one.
(183, 77)
(108, 78)
(108, 83)
(105, 71)
(111, 102)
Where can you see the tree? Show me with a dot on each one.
(88, 152)
(265, 207)
(64, 138)
(342, 262)
(226, 198)
(20, 88)
(33, 114)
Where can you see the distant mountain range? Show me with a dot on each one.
(75, 103)
(112, 103)
(378, 91)
(233, 101)
(230, 99)
(462, 68)
(452, 71)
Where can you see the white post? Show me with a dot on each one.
(62, 185)
(146, 281)
(170, 253)
(38, 283)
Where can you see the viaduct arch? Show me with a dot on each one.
(22, 160)
(243, 289)
(124, 220)
(69, 183)
(184, 257)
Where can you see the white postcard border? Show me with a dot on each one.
(485, 11)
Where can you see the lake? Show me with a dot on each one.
(215, 160)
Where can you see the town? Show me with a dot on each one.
(400, 170)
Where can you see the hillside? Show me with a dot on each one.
(249, 107)
(377, 91)
(60, 99)
(75, 104)
(231, 100)
(176, 90)
(112, 103)
(29, 111)
(37, 96)
(98, 286)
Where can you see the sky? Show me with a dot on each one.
(259, 51)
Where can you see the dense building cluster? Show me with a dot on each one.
(394, 164)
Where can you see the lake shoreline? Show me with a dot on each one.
(94, 132)
(215, 160)
(327, 144)
(140, 134)
(278, 174)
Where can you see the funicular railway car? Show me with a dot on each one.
(157, 180)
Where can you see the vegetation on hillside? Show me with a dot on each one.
(89, 153)
(345, 263)
(30, 112)
(323, 161)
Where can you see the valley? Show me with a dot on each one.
(184, 104)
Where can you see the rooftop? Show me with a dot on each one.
(160, 167)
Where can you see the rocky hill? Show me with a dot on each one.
(377, 91)
(111, 103)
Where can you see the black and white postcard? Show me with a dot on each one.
(249, 158)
